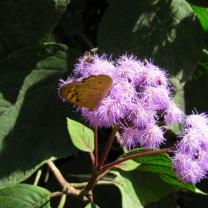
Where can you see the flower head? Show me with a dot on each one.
(151, 75)
(107, 114)
(156, 76)
(140, 115)
(97, 65)
(130, 136)
(157, 98)
(173, 114)
(199, 121)
(151, 136)
(190, 142)
(123, 91)
(190, 160)
(128, 67)
(188, 169)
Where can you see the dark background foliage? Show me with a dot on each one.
(39, 43)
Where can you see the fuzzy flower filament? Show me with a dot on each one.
(192, 149)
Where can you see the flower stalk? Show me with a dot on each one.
(98, 169)
(96, 148)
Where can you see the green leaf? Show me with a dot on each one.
(195, 90)
(81, 136)
(157, 30)
(72, 21)
(33, 129)
(26, 22)
(160, 164)
(128, 165)
(4, 104)
(91, 205)
(202, 14)
(137, 190)
(24, 196)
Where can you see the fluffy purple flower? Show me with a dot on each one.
(139, 95)
(98, 65)
(199, 121)
(151, 75)
(140, 115)
(156, 76)
(173, 114)
(130, 136)
(187, 168)
(190, 160)
(190, 142)
(123, 91)
(195, 138)
(151, 136)
(202, 159)
(128, 67)
(156, 98)
(107, 114)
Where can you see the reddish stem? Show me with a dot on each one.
(96, 172)
(107, 148)
(96, 148)
(133, 156)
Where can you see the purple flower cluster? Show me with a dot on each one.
(139, 98)
(190, 160)
(138, 101)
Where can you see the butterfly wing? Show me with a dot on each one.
(89, 92)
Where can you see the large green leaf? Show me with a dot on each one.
(72, 20)
(81, 136)
(195, 91)
(33, 129)
(160, 164)
(4, 104)
(128, 165)
(138, 189)
(202, 14)
(25, 22)
(165, 31)
(190, 97)
(24, 196)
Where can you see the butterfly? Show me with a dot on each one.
(89, 92)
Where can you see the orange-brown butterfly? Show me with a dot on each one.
(89, 92)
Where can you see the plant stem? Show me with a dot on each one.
(79, 185)
(62, 201)
(92, 182)
(62, 181)
(56, 194)
(107, 148)
(37, 178)
(96, 148)
(133, 156)
(61, 193)
(98, 169)
(92, 158)
(57, 173)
